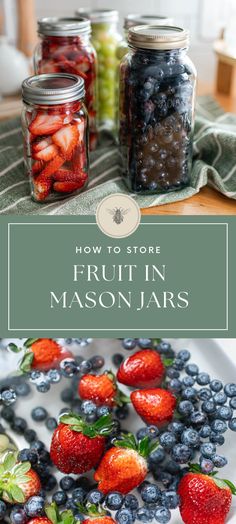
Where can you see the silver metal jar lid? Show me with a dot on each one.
(52, 89)
(158, 37)
(99, 16)
(137, 19)
(64, 26)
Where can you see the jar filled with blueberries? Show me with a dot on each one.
(157, 95)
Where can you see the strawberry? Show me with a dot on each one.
(204, 499)
(144, 368)
(102, 390)
(100, 520)
(40, 520)
(18, 481)
(67, 187)
(46, 154)
(42, 354)
(45, 124)
(52, 166)
(42, 187)
(77, 446)
(124, 466)
(37, 167)
(66, 139)
(40, 144)
(54, 516)
(154, 406)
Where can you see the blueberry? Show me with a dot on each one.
(185, 408)
(67, 483)
(206, 465)
(165, 478)
(34, 506)
(95, 496)
(188, 381)
(88, 407)
(192, 370)
(142, 433)
(3, 509)
(208, 450)
(198, 418)
(172, 467)
(219, 426)
(220, 398)
(97, 362)
(167, 440)
(39, 414)
(78, 495)
(152, 432)
(36, 377)
(184, 355)
(124, 516)
(51, 423)
(150, 494)
(145, 342)
(130, 501)
(178, 364)
(230, 390)
(30, 435)
(53, 376)
(232, 424)
(145, 514)
(60, 497)
(23, 389)
(43, 387)
(122, 412)
(8, 413)
(50, 483)
(26, 455)
(114, 500)
(181, 453)
(18, 515)
(224, 413)
(8, 396)
(117, 359)
(157, 456)
(129, 343)
(170, 499)
(203, 379)
(67, 395)
(38, 445)
(44, 456)
(175, 385)
(219, 461)
(79, 517)
(204, 394)
(68, 367)
(176, 427)
(232, 402)
(205, 431)
(190, 437)
(19, 425)
(103, 410)
(162, 515)
(209, 406)
(85, 366)
(189, 393)
(164, 347)
(172, 373)
(216, 385)
(216, 438)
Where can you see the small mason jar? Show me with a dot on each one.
(65, 47)
(105, 38)
(135, 19)
(157, 95)
(55, 131)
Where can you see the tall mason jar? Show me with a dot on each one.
(157, 96)
(65, 47)
(55, 131)
(105, 38)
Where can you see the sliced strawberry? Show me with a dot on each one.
(65, 175)
(48, 66)
(52, 166)
(42, 187)
(47, 154)
(67, 187)
(45, 124)
(40, 144)
(37, 167)
(67, 139)
(79, 160)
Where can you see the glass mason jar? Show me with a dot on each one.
(65, 47)
(157, 95)
(105, 38)
(135, 19)
(55, 130)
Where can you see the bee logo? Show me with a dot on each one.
(118, 214)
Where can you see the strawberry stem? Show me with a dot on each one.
(102, 427)
(143, 447)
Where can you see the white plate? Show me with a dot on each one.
(215, 356)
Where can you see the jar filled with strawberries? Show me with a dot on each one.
(55, 130)
(65, 47)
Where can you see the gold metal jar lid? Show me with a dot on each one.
(158, 37)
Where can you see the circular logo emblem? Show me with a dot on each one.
(118, 215)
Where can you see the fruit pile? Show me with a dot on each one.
(72, 55)
(171, 461)
(55, 145)
(156, 111)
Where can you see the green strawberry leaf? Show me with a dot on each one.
(224, 482)
(9, 461)
(71, 420)
(143, 447)
(126, 441)
(14, 348)
(22, 468)
(51, 512)
(25, 365)
(156, 341)
(17, 493)
(121, 398)
(167, 362)
(153, 446)
(28, 343)
(194, 468)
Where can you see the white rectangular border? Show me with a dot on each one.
(120, 329)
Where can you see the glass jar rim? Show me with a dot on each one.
(53, 89)
(135, 19)
(54, 26)
(158, 37)
(98, 16)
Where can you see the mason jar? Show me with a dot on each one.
(157, 95)
(105, 38)
(55, 131)
(65, 47)
(136, 19)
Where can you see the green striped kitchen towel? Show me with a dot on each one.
(214, 164)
